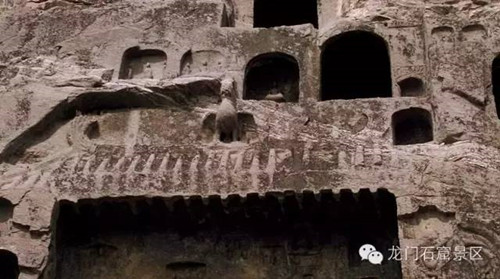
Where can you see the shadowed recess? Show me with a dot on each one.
(228, 17)
(204, 62)
(275, 235)
(355, 65)
(6, 210)
(495, 79)
(9, 267)
(271, 13)
(247, 128)
(477, 29)
(442, 30)
(185, 265)
(146, 63)
(272, 76)
(412, 126)
(411, 87)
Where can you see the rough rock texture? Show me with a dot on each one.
(77, 127)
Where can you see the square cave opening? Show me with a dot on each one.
(275, 235)
(272, 13)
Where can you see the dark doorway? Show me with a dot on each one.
(412, 126)
(274, 235)
(495, 79)
(9, 267)
(271, 13)
(272, 76)
(355, 65)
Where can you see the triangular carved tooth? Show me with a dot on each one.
(164, 163)
(271, 161)
(238, 165)
(306, 156)
(177, 172)
(149, 163)
(255, 170)
(119, 164)
(377, 156)
(208, 165)
(102, 167)
(86, 168)
(359, 156)
(193, 171)
(133, 165)
(271, 165)
(343, 160)
(223, 161)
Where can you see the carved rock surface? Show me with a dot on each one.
(109, 108)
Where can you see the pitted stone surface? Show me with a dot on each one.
(74, 127)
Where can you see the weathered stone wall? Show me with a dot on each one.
(71, 130)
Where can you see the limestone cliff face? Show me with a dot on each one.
(118, 100)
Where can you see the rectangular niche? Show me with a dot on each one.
(276, 235)
(143, 64)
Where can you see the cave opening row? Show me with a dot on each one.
(354, 65)
(301, 225)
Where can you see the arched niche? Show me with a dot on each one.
(143, 63)
(354, 65)
(412, 126)
(411, 87)
(202, 62)
(272, 76)
(474, 32)
(6, 210)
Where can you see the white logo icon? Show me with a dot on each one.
(365, 250)
(368, 252)
(375, 257)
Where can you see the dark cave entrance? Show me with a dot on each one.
(355, 64)
(272, 13)
(412, 126)
(9, 267)
(277, 235)
(272, 76)
(495, 80)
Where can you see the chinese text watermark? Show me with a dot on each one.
(427, 253)
(439, 253)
